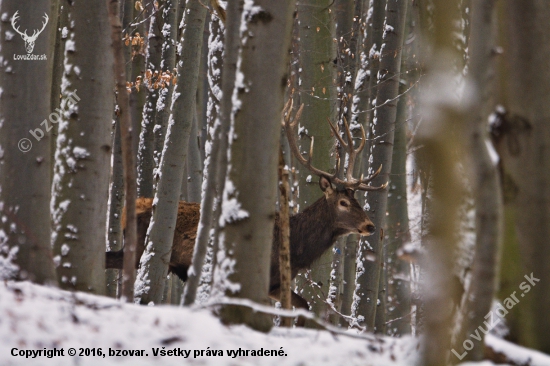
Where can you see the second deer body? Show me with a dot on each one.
(312, 231)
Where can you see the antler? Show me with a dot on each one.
(16, 28)
(350, 182)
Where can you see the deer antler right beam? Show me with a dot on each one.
(350, 182)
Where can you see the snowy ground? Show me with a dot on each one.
(34, 318)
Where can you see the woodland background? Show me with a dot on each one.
(453, 96)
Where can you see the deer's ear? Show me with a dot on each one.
(325, 185)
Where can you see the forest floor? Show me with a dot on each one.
(35, 318)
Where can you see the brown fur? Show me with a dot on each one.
(184, 236)
(312, 232)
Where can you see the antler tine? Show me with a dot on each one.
(352, 152)
(363, 140)
(289, 129)
(364, 187)
(374, 175)
(298, 115)
(336, 132)
(286, 110)
(348, 134)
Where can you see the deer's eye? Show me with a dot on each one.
(344, 203)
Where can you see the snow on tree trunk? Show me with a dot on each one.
(168, 63)
(153, 86)
(219, 118)
(382, 131)
(25, 170)
(116, 204)
(82, 158)
(251, 184)
(154, 262)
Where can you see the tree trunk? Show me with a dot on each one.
(194, 165)
(485, 182)
(128, 160)
(58, 43)
(25, 170)
(251, 184)
(136, 28)
(170, 32)
(525, 152)
(440, 153)
(382, 130)
(216, 163)
(81, 183)
(397, 230)
(153, 87)
(284, 240)
(317, 56)
(116, 202)
(154, 262)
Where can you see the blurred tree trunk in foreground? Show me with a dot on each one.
(524, 146)
(25, 169)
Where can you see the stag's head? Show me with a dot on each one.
(348, 215)
(346, 210)
(29, 40)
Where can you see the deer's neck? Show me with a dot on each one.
(312, 232)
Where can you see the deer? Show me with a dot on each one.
(312, 231)
(29, 40)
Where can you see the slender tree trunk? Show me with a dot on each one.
(373, 48)
(485, 182)
(152, 75)
(284, 251)
(382, 129)
(81, 184)
(130, 237)
(216, 163)
(25, 170)
(398, 271)
(248, 214)
(116, 202)
(115, 231)
(58, 42)
(363, 114)
(348, 21)
(168, 64)
(194, 165)
(154, 263)
(136, 27)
